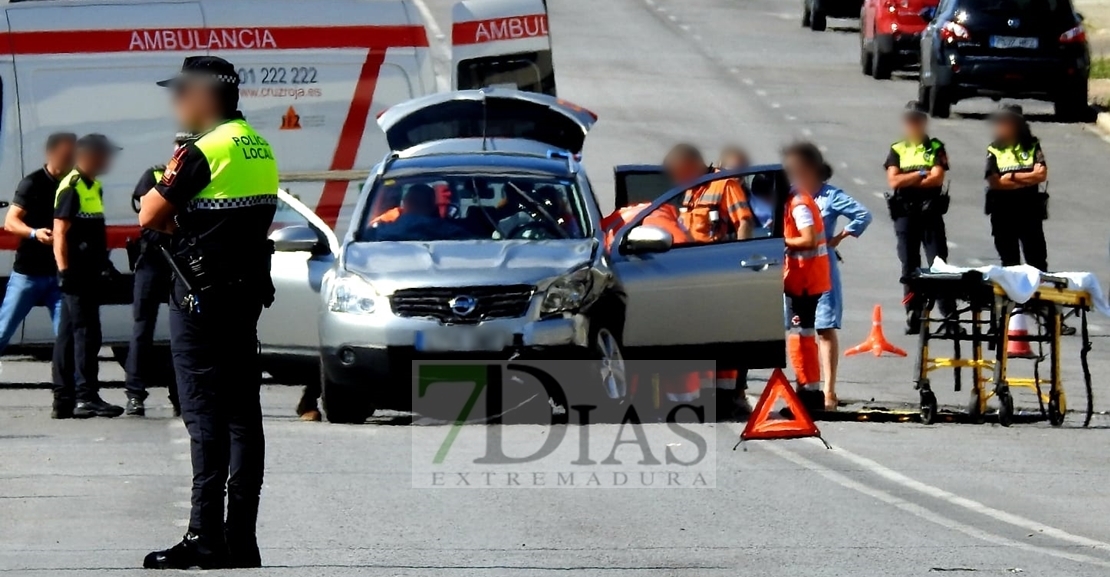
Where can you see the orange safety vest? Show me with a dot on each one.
(665, 217)
(387, 216)
(806, 271)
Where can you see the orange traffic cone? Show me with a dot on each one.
(876, 342)
(1019, 327)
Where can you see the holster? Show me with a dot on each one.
(207, 271)
(895, 203)
(134, 249)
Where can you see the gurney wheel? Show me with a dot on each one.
(1005, 408)
(928, 407)
(1055, 415)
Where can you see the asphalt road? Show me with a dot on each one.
(890, 499)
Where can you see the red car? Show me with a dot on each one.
(890, 34)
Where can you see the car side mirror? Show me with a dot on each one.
(299, 238)
(647, 239)
(928, 13)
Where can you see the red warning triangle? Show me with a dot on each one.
(761, 426)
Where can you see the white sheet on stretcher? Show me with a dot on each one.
(1020, 282)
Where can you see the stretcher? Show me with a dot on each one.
(979, 315)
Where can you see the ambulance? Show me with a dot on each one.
(314, 75)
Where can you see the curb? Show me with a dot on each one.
(1102, 121)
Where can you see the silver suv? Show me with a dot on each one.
(481, 237)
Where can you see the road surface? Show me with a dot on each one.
(890, 499)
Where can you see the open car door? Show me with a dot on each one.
(489, 113)
(304, 250)
(502, 44)
(719, 301)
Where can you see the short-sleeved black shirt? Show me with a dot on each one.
(35, 195)
(145, 184)
(234, 234)
(87, 237)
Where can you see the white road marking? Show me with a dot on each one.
(790, 118)
(1094, 328)
(879, 195)
(952, 244)
(684, 27)
(975, 262)
(922, 512)
(747, 81)
(672, 17)
(776, 105)
(859, 181)
(183, 504)
(822, 148)
(181, 523)
(761, 92)
(180, 441)
(973, 506)
(843, 165)
(807, 132)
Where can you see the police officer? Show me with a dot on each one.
(152, 287)
(915, 171)
(81, 253)
(1017, 207)
(217, 198)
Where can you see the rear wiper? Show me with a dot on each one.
(554, 222)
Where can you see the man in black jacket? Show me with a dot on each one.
(152, 288)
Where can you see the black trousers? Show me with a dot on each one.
(916, 233)
(215, 355)
(1018, 233)
(75, 367)
(152, 288)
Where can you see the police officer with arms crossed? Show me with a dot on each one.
(915, 170)
(152, 286)
(81, 253)
(1015, 170)
(217, 198)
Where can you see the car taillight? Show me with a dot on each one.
(952, 32)
(1074, 36)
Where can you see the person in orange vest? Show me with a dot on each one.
(665, 217)
(806, 274)
(712, 212)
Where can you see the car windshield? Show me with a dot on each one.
(474, 207)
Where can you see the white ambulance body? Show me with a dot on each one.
(314, 75)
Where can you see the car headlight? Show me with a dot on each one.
(350, 294)
(568, 292)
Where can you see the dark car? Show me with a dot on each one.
(1005, 49)
(815, 13)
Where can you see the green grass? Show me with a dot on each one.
(1100, 67)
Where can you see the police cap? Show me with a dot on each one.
(1008, 112)
(915, 109)
(210, 69)
(97, 143)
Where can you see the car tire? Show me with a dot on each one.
(939, 102)
(882, 64)
(865, 60)
(818, 21)
(609, 376)
(1072, 106)
(343, 404)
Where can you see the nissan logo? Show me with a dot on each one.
(1013, 22)
(463, 305)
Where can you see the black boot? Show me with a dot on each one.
(243, 551)
(62, 410)
(192, 551)
(96, 408)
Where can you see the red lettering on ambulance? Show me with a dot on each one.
(511, 28)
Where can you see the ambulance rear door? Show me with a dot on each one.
(11, 161)
(501, 43)
(92, 67)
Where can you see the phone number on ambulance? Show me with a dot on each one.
(278, 75)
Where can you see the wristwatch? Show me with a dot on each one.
(924, 173)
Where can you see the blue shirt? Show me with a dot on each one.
(835, 203)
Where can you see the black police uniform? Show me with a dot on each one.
(75, 367)
(152, 288)
(918, 214)
(223, 186)
(1017, 216)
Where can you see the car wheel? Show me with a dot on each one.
(806, 15)
(865, 61)
(612, 375)
(881, 64)
(940, 103)
(344, 404)
(818, 21)
(1072, 106)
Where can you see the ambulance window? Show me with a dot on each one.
(530, 72)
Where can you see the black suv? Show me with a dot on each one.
(1005, 49)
